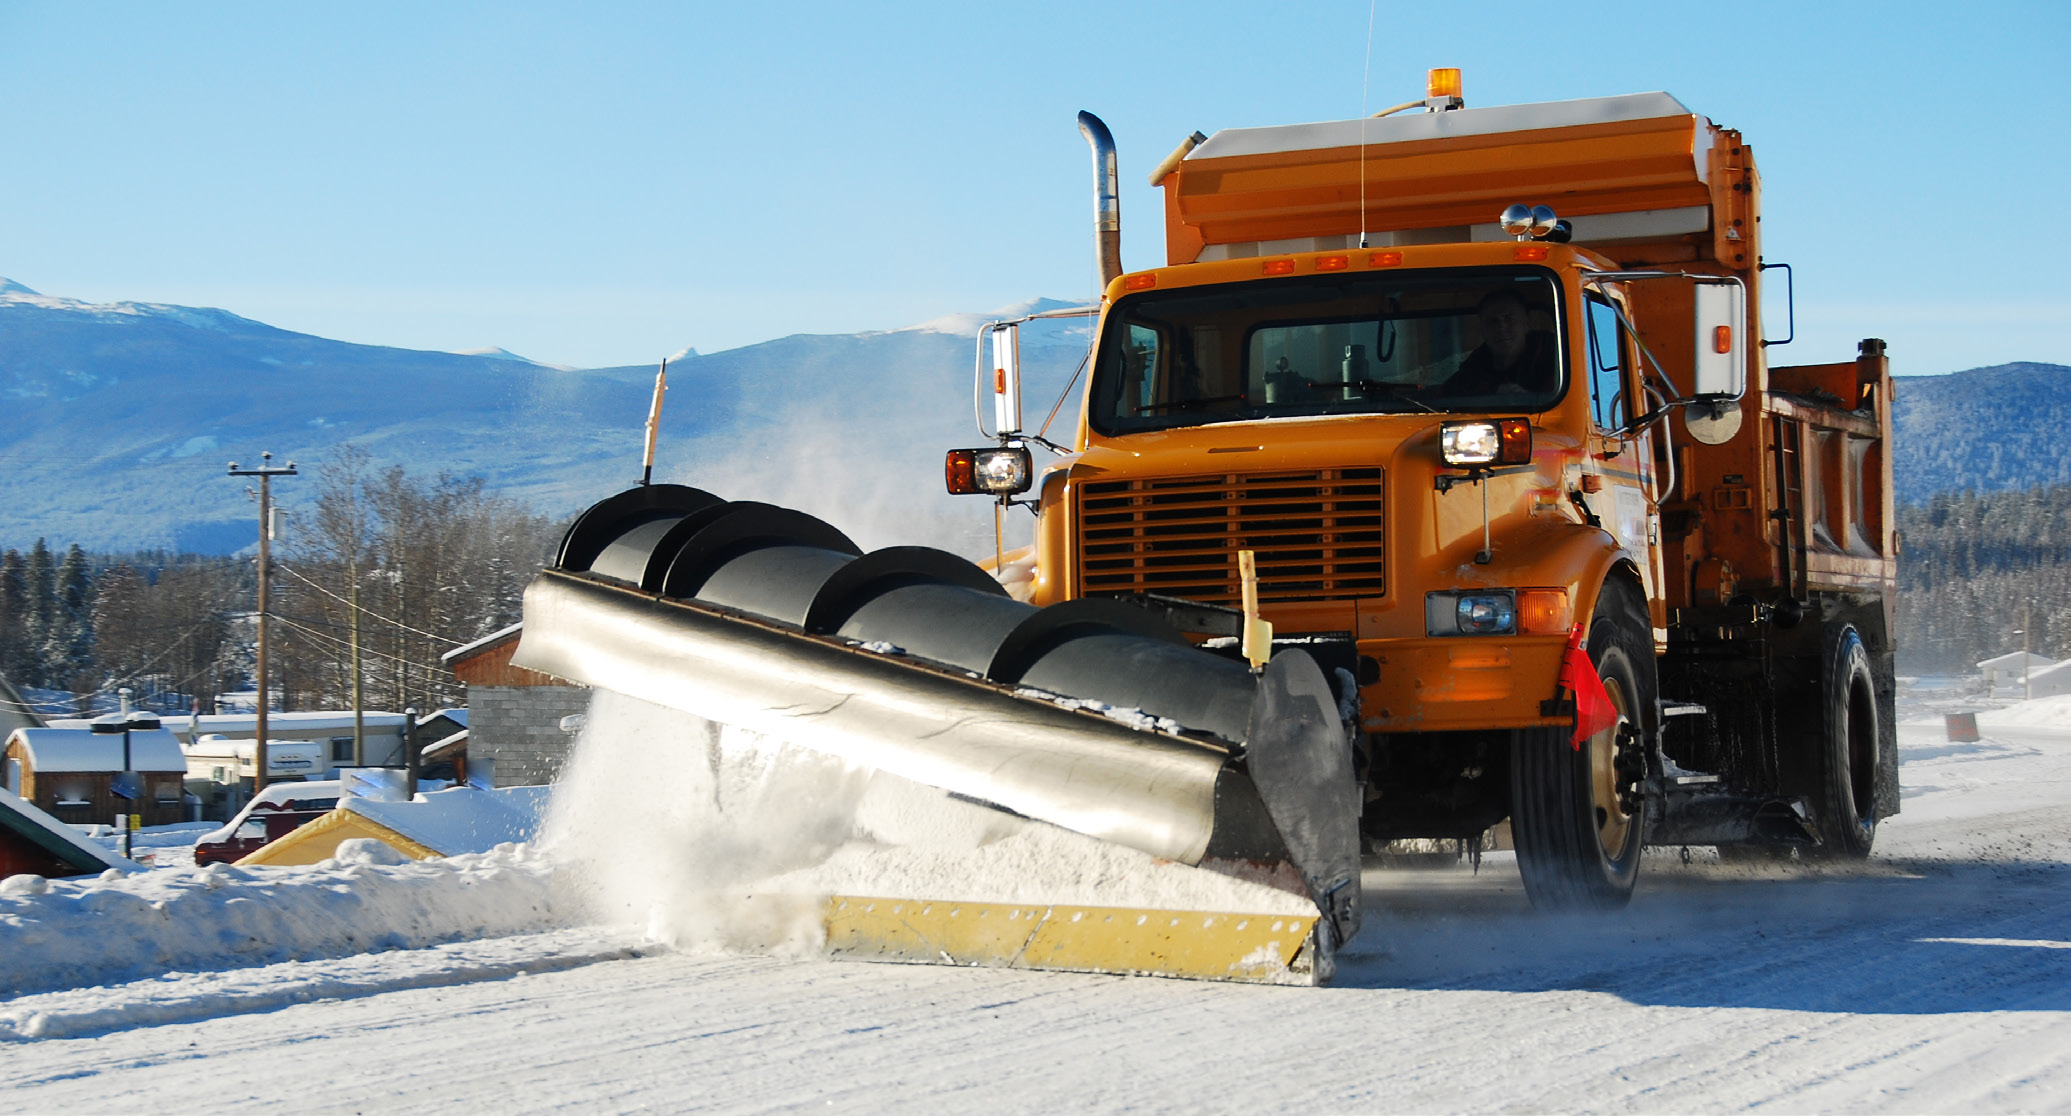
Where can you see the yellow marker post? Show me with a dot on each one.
(654, 421)
(1258, 634)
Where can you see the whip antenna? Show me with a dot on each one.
(1365, 76)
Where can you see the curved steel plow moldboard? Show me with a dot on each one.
(916, 662)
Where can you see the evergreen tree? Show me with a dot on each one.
(14, 615)
(69, 650)
(38, 618)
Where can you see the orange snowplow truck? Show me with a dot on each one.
(1484, 396)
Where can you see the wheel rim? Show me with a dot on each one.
(1613, 824)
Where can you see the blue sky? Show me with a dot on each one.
(604, 184)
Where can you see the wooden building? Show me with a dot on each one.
(69, 773)
(515, 715)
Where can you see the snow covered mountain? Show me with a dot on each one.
(116, 421)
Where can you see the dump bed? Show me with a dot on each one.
(1640, 177)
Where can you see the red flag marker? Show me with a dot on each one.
(1593, 709)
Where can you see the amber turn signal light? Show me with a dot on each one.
(1544, 612)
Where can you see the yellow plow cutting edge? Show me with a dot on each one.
(1199, 945)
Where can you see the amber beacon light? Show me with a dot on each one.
(1442, 89)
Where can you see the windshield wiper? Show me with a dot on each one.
(1372, 388)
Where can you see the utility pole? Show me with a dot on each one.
(359, 720)
(266, 471)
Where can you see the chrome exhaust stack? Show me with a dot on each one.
(1107, 199)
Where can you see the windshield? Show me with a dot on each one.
(1479, 340)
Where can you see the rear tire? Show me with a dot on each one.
(1579, 816)
(1847, 820)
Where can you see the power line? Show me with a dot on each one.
(365, 611)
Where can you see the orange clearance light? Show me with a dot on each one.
(1384, 259)
(1544, 612)
(1333, 263)
(1529, 252)
(1515, 437)
(1443, 82)
(960, 472)
(1278, 267)
(1141, 282)
(1722, 339)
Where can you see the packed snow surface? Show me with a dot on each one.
(1935, 977)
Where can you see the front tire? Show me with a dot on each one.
(1578, 816)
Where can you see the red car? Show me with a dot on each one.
(281, 809)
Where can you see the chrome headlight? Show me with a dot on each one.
(1480, 612)
(1486, 442)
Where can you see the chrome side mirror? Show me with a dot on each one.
(1004, 382)
(1720, 367)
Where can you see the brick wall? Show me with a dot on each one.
(520, 728)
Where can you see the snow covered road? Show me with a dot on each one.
(1936, 978)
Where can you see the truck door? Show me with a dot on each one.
(1623, 460)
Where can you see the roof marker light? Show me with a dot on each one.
(1141, 282)
(1442, 81)
(1384, 259)
(1529, 252)
(1278, 267)
(1333, 263)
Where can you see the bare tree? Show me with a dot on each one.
(438, 563)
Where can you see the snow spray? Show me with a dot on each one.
(667, 821)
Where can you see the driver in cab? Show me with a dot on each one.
(1513, 358)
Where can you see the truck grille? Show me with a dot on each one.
(1317, 535)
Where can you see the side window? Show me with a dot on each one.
(1607, 399)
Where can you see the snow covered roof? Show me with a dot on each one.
(446, 746)
(83, 750)
(490, 640)
(53, 836)
(2013, 659)
(459, 819)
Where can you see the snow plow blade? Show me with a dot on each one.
(1092, 715)
(1203, 945)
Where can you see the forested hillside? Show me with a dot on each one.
(1974, 568)
(1992, 429)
